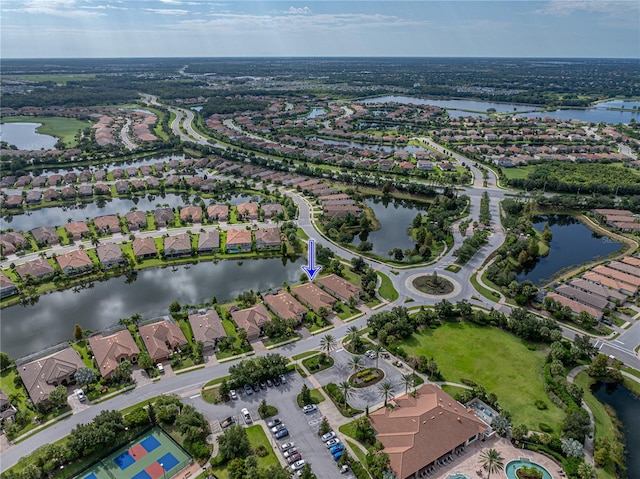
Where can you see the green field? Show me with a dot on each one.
(63, 128)
(494, 359)
(387, 291)
(257, 437)
(62, 79)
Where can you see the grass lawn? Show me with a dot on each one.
(81, 348)
(230, 329)
(257, 437)
(519, 172)
(494, 359)
(387, 291)
(306, 354)
(63, 128)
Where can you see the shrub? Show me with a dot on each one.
(261, 451)
(468, 382)
(541, 405)
(545, 427)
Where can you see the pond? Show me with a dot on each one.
(572, 244)
(599, 114)
(395, 217)
(468, 105)
(102, 304)
(25, 137)
(315, 113)
(627, 407)
(59, 215)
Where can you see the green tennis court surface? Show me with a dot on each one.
(153, 455)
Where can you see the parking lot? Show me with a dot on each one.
(302, 427)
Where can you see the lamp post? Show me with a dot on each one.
(163, 471)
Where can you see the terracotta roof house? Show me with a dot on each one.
(218, 212)
(136, 219)
(575, 306)
(11, 242)
(110, 255)
(161, 339)
(109, 351)
(191, 214)
(625, 267)
(77, 230)
(74, 262)
(632, 260)
(238, 240)
(43, 375)
(598, 289)
(7, 287)
(207, 327)
(248, 211)
(619, 275)
(14, 201)
(179, 245)
(422, 429)
(252, 320)
(268, 238)
(163, 216)
(69, 192)
(313, 296)
(107, 224)
(284, 305)
(102, 189)
(620, 286)
(209, 241)
(339, 287)
(271, 209)
(37, 268)
(144, 248)
(584, 297)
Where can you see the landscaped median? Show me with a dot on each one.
(387, 291)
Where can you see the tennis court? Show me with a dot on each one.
(153, 455)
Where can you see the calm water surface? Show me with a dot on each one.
(104, 303)
(572, 244)
(25, 136)
(315, 113)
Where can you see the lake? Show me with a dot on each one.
(627, 407)
(572, 244)
(103, 303)
(25, 137)
(59, 215)
(315, 113)
(395, 217)
(471, 105)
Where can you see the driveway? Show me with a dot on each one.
(76, 405)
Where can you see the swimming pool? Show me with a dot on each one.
(457, 476)
(512, 466)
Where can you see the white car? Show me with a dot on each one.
(246, 416)
(332, 442)
(298, 465)
(327, 436)
(309, 408)
(80, 395)
(233, 394)
(287, 445)
(290, 452)
(160, 368)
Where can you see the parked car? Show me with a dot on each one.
(290, 452)
(298, 465)
(227, 422)
(309, 408)
(160, 368)
(277, 428)
(269, 383)
(273, 423)
(263, 385)
(248, 390)
(327, 436)
(256, 388)
(283, 379)
(337, 455)
(80, 395)
(233, 394)
(344, 469)
(294, 458)
(287, 445)
(332, 442)
(336, 448)
(276, 381)
(281, 433)
(246, 416)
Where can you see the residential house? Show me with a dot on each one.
(108, 224)
(314, 297)
(51, 195)
(77, 230)
(252, 320)
(238, 240)
(144, 248)
(269, 210)
(45, 235)
(11, 242)
(248, 211)
(179, 245)
(340, 211)
(33, 197)
(122, 187)
(7, 287)
(267, 238)
(339, 287)
(284, 305)
(207, 327)
(85, 191)
(43, 375)
(575, 306)
(36, 268)
(191, 214)
(75, 262)
(136, 220)
(218, 213)
(423, 428)
(101, 189)
(209, 242)
(7, 410)
(13, 202)
(110, 255)
(111, 350)
(162, 339)
(163, 217)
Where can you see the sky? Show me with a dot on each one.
(266, 28)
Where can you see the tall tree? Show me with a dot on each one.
(327, 343)
(233, 443)
(386, 389)
(377, 349)
(356, 364)
(85, 376)
(77, 332)
(347, 391)
(491, 461)
(407, 380)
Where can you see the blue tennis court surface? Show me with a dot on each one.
(150, 443)
(91, 476)
(142, 475)
(124, 460)
(169, 461)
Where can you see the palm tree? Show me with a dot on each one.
(356, 364)
(347, 390)
(386, 390)
(377, 349)
(353, 335)
(492, 461)
(407, 380)
(327, 343)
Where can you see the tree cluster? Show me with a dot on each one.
(254, 370)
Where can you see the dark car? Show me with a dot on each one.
(276, 381)
(296, 457)
(281, 433)
(256, 388)
(248, 390)
(269, 383)
(263, 385)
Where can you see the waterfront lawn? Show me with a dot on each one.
(494, 359)
(230, 329)
(63, 128)
(387, 291)
(82, 349)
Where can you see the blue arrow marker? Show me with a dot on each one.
(311, 269)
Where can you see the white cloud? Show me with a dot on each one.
(299, 11)
(63, 8)
(608, 7)
(167, 11)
